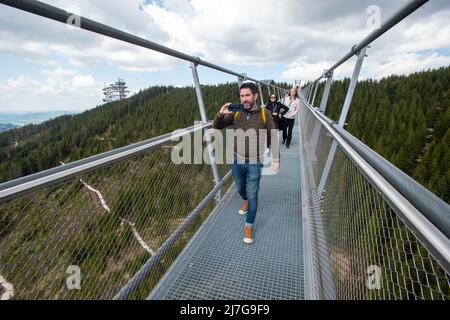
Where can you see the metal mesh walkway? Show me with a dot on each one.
(217, 264)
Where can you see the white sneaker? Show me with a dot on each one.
(267, 150)
(248, 236)
(248, 240)
(244, 209)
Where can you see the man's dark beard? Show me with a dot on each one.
(248, 106)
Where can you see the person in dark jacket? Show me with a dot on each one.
(277, 109)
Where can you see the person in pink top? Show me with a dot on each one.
(292, 101)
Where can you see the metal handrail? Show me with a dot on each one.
(433, 207)
(57, 14)
(432, 237)
(25, 185)
(409, 187)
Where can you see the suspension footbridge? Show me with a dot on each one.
(337, 222)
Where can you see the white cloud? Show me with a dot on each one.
(301, 37)
(62, 90)
(83, 81)
(231, 31)
(406, 64)
(377, 68)
(258, 32)
(35, 37)
(19, 86)
(59, 72)
(304, 70)
(305, 36)
(432, 33)
(403, 50)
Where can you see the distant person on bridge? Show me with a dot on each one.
(292, 101)
(248, 160)
(278, 110)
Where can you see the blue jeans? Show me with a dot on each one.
(247, 177)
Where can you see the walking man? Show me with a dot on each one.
(252, 128)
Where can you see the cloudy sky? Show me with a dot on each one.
(46, 65)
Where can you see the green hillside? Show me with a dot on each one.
(148, 114)
(406, 119)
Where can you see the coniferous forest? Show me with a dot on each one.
(406, 119)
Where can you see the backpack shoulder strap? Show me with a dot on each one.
(263, 115)
(263, 111)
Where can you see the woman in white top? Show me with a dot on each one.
(292, 101)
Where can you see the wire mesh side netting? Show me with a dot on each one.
(84, 238)
(361, 247)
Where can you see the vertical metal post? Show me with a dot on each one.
(315, 92)
(351, 88)
(201, 106)
(309, 93)
(240, 82)
(260, 93)
(326, 92)
(268, 90)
